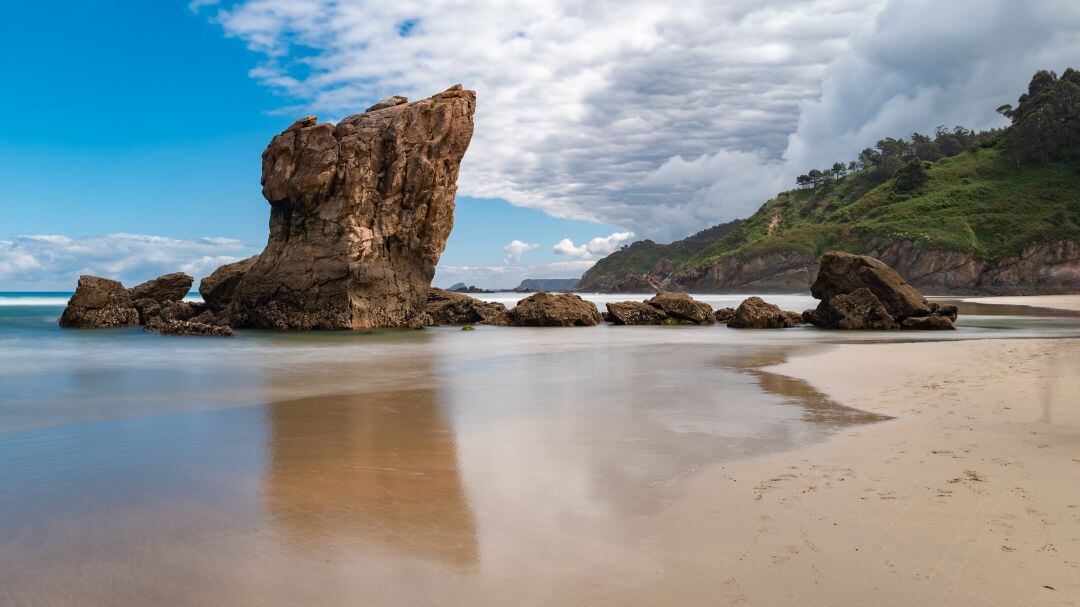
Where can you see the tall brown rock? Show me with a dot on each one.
(359, 215)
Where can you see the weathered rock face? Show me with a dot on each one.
(773, 273)
(217, 289)
(1052, 267)
(449, 308)
(755, 313)
(99, 302)
(170, 287)
(860, 292)
(550, 310)
(683, 308)
(626, 283)
(359, 215)
(634, 313)
(859, 309)
(148, 309)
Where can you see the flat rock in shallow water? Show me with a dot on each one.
(755, 313)
(449, 308)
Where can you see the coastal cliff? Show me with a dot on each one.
(1044, 268)
(980, 224)
(360, 213)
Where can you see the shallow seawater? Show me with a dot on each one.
(390, 467)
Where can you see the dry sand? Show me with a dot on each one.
(970, 496)
(1057, 302)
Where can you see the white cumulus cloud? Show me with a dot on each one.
(660, 117)
(599, 246)
(578, 102)
(47, 262)
(516, 250)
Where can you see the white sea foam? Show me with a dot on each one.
(32, 300)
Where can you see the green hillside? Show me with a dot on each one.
(976, 201)
(639, 257)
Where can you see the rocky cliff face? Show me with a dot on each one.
(1044, 268)
(359, 215)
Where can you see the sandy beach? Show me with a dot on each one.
(1055, 302)
(970, 496)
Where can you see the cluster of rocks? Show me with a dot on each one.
(856, 292)
(156, 304)
(538, 310)
(861, 292)
(665, 308)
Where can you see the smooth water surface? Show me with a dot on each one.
(391, 467)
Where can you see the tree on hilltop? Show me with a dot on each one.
(1046, 119)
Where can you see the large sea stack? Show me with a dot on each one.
(359, 214)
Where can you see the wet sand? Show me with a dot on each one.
(970, 496)
(603, 466)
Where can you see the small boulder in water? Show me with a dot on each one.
(634, 313)
(449, 308)
(683, 308)
(550, 310)
(755, 313)
(99, 302)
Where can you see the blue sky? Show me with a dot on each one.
(131, 131)
(140, 117)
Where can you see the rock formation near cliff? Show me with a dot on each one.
(1052, 267)
(359, 215)
(861, 292)
(217, 289)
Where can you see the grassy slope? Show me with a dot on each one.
(640, 256)
(976, 201)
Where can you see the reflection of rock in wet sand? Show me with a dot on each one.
(371, 471)
(817, 407)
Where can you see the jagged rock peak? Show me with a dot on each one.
(388, 102)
